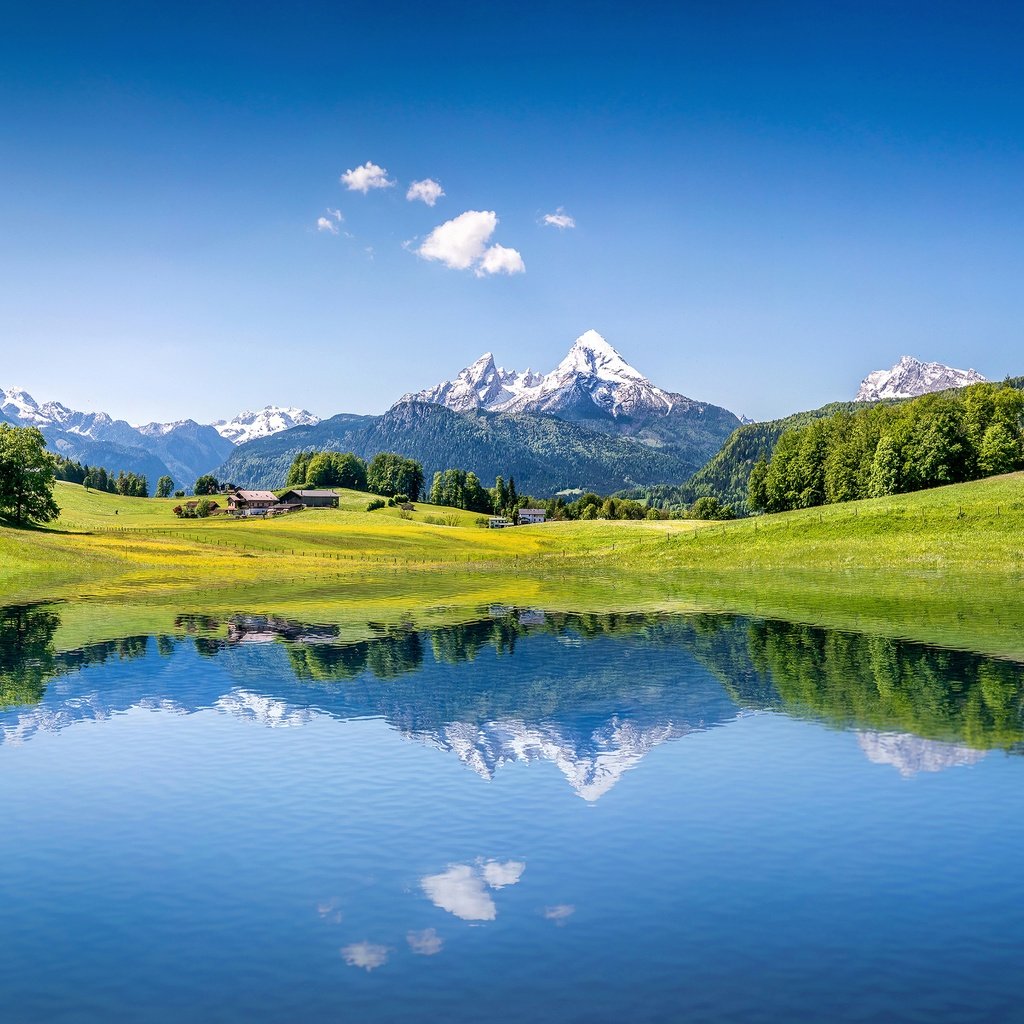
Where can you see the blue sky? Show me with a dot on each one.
(770, 200)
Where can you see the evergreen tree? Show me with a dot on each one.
(298, 471)
(499, 496)
(164, 486)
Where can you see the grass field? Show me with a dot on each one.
(944, 565)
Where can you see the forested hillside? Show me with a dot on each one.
(945, 438)
(543, 453)
(726, 475)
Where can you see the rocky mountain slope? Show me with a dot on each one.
(593, 384)
(910, 377)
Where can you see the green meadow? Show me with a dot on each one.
(943, 566)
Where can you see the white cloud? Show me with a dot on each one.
(362, 179)
(368, 955)
(330, 222)
(460, 891)
(427, 191)
(498, 875)
(460, 242)
(559, 219)
(426, 942)
(499, 260)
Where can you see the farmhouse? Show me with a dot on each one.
(248, 502)
(311, 499)
(531, 515)
(498, 522)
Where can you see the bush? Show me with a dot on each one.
(375, 504)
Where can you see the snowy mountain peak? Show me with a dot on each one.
(911, 377)
(272, 419)
(592, 379)
(591, 354)
(20, 405)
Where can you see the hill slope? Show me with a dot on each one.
(727, 473)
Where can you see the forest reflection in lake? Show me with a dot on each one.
(280, 812)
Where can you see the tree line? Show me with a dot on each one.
(96, 478)
(937, 439)
(386, 473)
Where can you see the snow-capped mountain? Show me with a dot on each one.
(479, 385)
(183, 450)
(21, 408)
(910, 377)
(591, 762)
(592, 381)
(272, 419)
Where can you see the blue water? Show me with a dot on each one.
(530, 817)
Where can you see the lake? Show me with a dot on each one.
(516, 815)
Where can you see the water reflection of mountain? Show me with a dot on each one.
(592, 694)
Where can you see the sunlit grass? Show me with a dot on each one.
(943, 565)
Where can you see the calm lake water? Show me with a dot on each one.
(529, 817)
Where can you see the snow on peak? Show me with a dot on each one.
(18, 404)
(592, 373)
(911, 377)
(591, 355)
(272, 419)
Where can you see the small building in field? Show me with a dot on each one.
(248, 502)
(498, 522)
(311, 498)
(284, 507)
(528, 516)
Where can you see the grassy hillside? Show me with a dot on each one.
(944, 565)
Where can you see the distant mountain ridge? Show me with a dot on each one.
(911, 377)
(183, 450)
(249, 425)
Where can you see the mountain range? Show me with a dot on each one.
(182, 450)
(910, 378)
(593, 422)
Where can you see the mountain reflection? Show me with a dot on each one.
(593, 694)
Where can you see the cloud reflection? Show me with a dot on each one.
(559, 913)
(368, 955)
(426, 942)
(462, 890)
